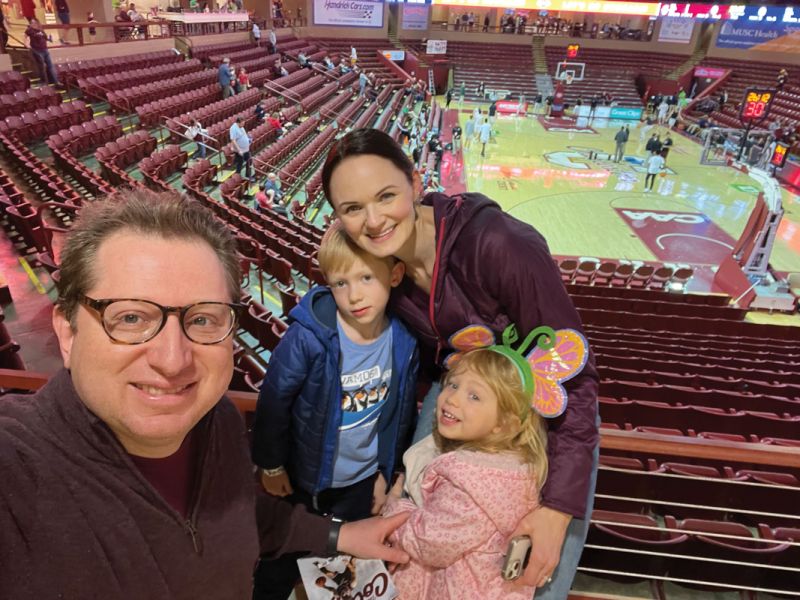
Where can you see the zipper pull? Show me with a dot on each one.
(439, 346)
(197, 541)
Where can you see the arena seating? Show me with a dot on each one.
(15, 103)
(13, 81)
(69, 73)
(100, 85)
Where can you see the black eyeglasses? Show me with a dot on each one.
(132, 321)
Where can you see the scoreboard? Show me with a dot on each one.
(756, 104)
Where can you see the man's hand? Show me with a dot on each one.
(367, 538)
(378, 494)
(546, 528)
(277, 485)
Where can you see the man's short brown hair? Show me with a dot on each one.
(168, 215)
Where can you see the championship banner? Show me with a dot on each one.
(349, 13)
(675, 30)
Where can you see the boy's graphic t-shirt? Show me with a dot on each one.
(366, 375)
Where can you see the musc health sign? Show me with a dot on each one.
(349, 13)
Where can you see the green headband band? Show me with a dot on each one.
(545, 338)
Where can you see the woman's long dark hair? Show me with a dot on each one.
(361, 142)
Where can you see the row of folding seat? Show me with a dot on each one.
(69, 72)
(206, 50)
(656, 307)
(299, 91)
(100, 85)
(233, 188)
(42, 179)
(709, 555)
(307, 49)
(269, 158)
(701, 382)
(127, 150)
(66, 162)
(280, 84)
(160, 165)
(623, 274)
(24, 225)
(258, 64)
(215, 60)
(773, 361)
(13, 81)
(32, 126)
(286, 46)
(200, 174)
(15, 103)
(742, 347)
(334, 108)
(312, 101)
(125, 100)
(80, 139)
(712, 398)
(210, 113)
(780, 366)
(680, 488)
(684, 418)
(660, 295)
(294, 170)
(150, 114)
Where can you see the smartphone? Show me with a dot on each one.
(517, 557)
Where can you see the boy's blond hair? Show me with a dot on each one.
(337, 252)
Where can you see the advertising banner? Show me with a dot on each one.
(675, 30)
(349, 13)
(414, 17)
(436, 47)
(761, 35)
(624, 112)
(710, 72)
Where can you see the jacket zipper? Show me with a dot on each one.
(197, 541)
(431, 299)
(402, 384)
(328, 418)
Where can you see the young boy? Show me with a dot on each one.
(338, 402)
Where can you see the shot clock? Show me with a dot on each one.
(756, 104)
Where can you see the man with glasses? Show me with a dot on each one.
(127, 475)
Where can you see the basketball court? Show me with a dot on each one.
(559, 175)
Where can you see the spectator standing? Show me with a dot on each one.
(484, 135)
(244, 80)
(456, 137)
(362, 83)
(448, 98)
(486, 22)
(90, 19)
(665, 147)
(492, 111)
(3, 33)
(196, 133)
(241, 148)
(663, 109)
(255, 33)
(469, 131)
(620, 138)
(273, 41)
(225, 78)
(41, 55)
(653, 144)
(62, 11)
(28, 9)
(521, 105)
(654, 165)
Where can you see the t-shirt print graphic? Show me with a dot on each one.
(362, 395)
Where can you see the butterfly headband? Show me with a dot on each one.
(557, 357)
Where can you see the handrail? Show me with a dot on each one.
(215, 152)
(610, 439)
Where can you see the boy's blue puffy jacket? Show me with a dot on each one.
(299, 408)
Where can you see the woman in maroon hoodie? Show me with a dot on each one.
(468, 262)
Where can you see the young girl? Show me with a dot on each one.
(491, 464)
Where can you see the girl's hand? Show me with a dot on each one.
(277, 485)
(378, 494)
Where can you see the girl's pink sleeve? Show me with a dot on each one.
(450, 525)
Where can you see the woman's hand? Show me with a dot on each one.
(546, 528)
(277, 485)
